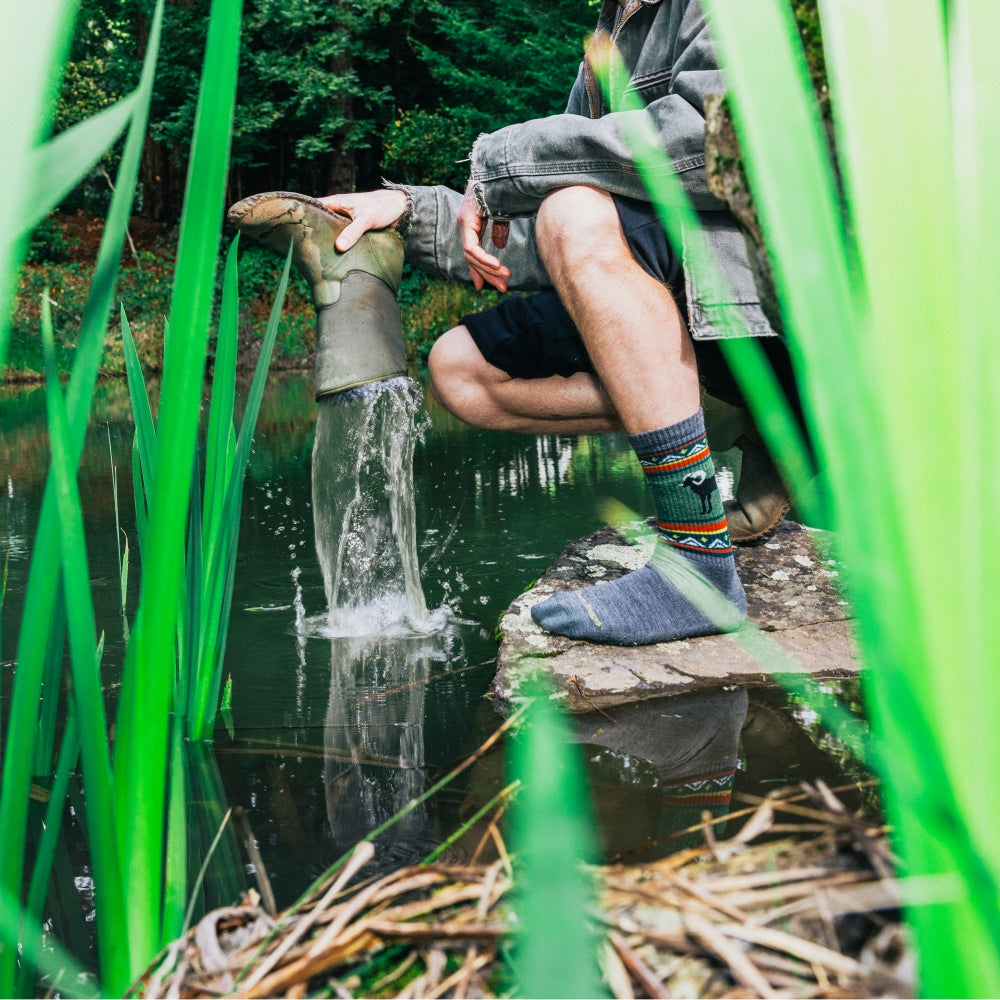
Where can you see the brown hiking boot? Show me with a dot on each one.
(359, 337)
(761, 499)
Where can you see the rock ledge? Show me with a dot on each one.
(792, 598)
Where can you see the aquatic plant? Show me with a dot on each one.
(135, 798)
(552, 835)
(30, 739)
(899, 389)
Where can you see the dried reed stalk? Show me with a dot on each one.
(672, 928)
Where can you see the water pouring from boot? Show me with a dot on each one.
(366, 432)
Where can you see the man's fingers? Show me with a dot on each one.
(484, 268)
(351, 234)
(485, 263)
(368, 210)
(488, 270)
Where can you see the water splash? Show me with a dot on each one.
(364, 512)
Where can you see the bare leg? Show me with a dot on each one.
(483, 395)
(645, 360)
(630, 324)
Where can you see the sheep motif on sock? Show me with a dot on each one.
(702, 486)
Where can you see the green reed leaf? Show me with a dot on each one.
(222, 555)
(86, 676)
(903, 387)
(142, 414)
(42, 870)
(142, 749)
(44, 23)
(64, 973)
(59, 165)
(33, 47)
(552, 837)
(176, 868)
(220, 438)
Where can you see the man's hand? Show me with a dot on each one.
(484, 268)
(369, 210)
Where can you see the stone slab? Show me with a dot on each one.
(792, 597)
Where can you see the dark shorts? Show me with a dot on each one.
(534, 336)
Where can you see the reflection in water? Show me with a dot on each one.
(690, 747)
(492, 510)
(655, 767)
(374, 738)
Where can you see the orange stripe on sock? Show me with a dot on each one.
(713, 528)
(680, 464)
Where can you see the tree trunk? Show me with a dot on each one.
(163, 174)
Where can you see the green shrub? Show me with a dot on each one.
(430, 306)
(50, 244)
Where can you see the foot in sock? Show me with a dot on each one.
(664, 600)
(641, 607)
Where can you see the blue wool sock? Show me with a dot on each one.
(650, 604)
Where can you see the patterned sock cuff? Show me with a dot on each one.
(646, 442)
(709, 790)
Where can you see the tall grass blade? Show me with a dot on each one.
(61, 969)
(142, 747)
(974, 34)
(41, 595)
(176, 869)
(122, 562)
(42, 870)
(47, 719)
(917, 376)
(142, 414)
(190, 613)
(221, 548)
(59, 165)
(215, 536)
(220, 439)
(552, 836)
(33, 47)
(87, 691)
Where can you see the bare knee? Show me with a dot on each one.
(578, 224)
(461, 379)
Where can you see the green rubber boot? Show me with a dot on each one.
(359, 337)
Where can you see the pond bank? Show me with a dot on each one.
(801, 903)
(791, 598)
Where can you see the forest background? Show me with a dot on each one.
(333, 95)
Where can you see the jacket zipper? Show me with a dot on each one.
(594, 99)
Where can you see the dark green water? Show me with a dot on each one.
(332, 736)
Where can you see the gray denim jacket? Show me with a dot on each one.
(666, 48)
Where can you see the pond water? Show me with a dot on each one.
(332, 734)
